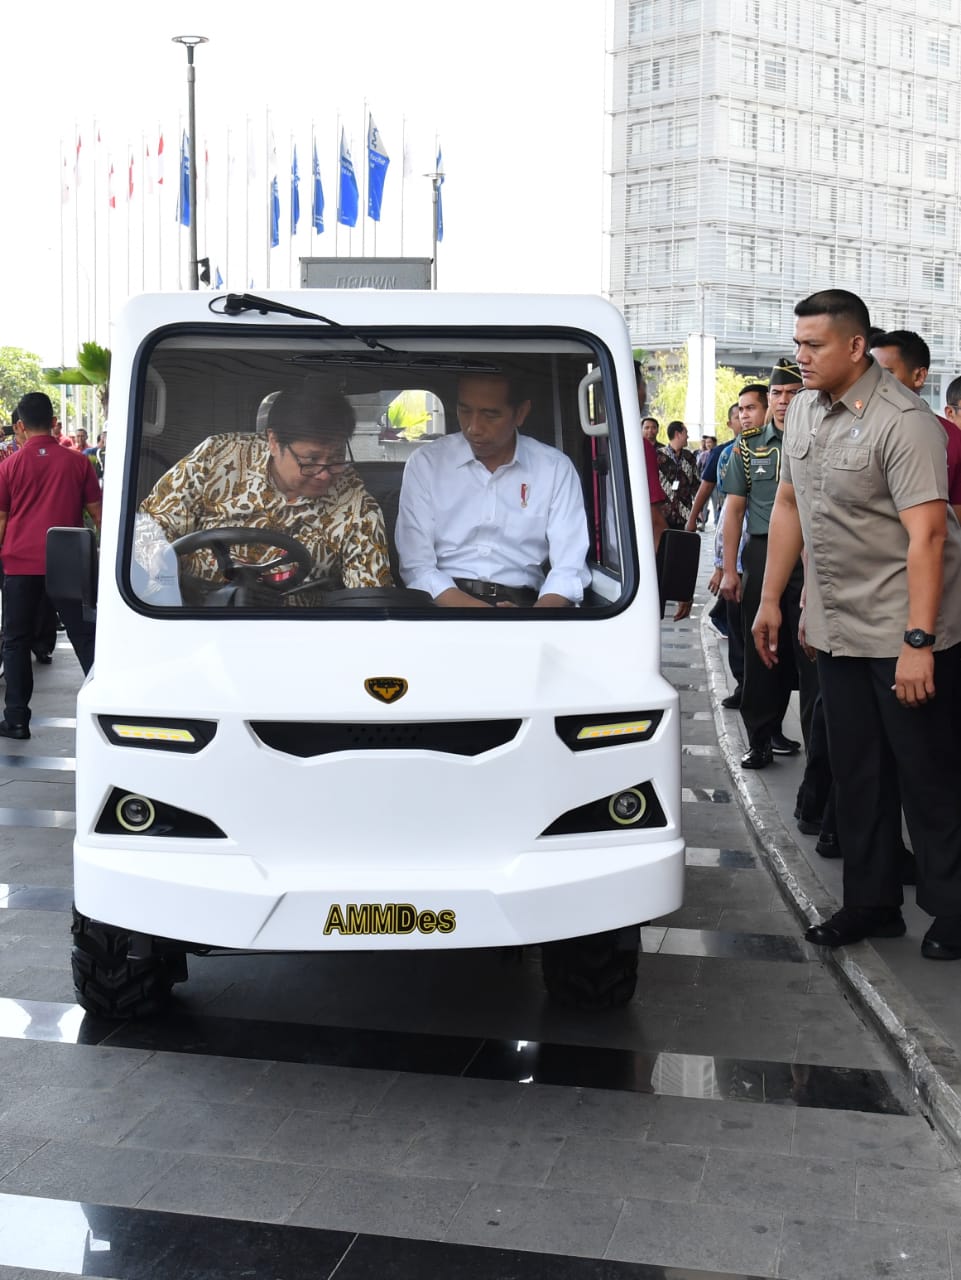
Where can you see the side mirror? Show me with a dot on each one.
(72, 568)
(678, 557)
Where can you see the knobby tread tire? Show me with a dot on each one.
(590, 973)
(107, 982)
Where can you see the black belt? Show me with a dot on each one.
(496, 591)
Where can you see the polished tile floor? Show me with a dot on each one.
(416, 1116)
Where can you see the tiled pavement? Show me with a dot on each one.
(419, 1115)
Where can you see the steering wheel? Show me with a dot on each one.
(296, 558)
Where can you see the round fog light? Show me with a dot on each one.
(135, 813)
(627, 807)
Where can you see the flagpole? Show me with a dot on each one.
(64, 196)
(366, 187)
(160, 230)
(76, 227)
(129, 199)
(227, 214)
(96, 147)
(337, 214)
(290, 242)
(313, 152)
(247, 211)
(269, 192)
(403, 176)
(143, 214)
(111, 195)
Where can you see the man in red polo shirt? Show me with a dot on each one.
(41, 486)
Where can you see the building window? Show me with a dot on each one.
(937, 106)
(939, 51)
(851, 86)
(770, 195)
(775, 74)
(936, 162)
(685, 133)
(899, 213)
(742, 191)
(826, 143)
(688, 67)
(825, 203)
(850, 204)
(897, 271)
(685, 193)
(651, 74)
(744, 67)
(826, 26)
(769, 316)
(902, 100)
(744, 129)
(640, 19)
(933, 273)
(771, 133)
(685, 257)
(935, 218)
(902, 42)
(852, 147)
(900, 154)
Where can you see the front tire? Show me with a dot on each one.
(592, 973)
(111, 984)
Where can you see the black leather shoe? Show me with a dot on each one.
(733, 700)
(852, 924)
(782, 746)
(757, 758)
(44, 657)
(808, 827)
(943, 940)
(13, 730)
(828, 847)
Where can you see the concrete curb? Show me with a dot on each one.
(932, 1063)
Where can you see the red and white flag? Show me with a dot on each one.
(130, 179)
(110, 191)
(160, 161)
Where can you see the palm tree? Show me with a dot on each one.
(92, 370)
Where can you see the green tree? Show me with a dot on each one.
(20, 372)
(670, 372)
(92, 370)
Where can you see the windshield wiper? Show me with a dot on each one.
(236, 304)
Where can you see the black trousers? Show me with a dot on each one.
(22, 596)
(874, 739)
(735, 640)
(814, 793)
(767, 692)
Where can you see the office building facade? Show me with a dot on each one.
(763, 149)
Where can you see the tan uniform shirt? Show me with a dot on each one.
(854, 465)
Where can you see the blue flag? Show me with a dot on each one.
(274, 213)
(219, 280)
(439, 180)
(377, 162)
(183, 204)
(348, 199)
(294, 195)
(317, 200)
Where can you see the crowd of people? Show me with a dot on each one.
(838, 554)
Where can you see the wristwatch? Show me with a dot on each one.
(919, 639)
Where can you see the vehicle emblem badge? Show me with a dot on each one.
(386, 688)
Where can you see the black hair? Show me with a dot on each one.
(675, 428)
(649, 417)
(838, 304)
(953, 394)
(758, 388)
(913, 348)
(35, 411)
(326, 415)
(732, 409)
(518, 390)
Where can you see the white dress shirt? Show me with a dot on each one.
(459, 520)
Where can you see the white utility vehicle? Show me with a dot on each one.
(270, 762)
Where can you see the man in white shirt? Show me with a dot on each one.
(483, 511)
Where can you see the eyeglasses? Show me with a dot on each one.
(308, 468)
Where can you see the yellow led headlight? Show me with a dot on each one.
(152, 733)
(621, 730)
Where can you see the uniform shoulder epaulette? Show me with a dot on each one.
(751, 431)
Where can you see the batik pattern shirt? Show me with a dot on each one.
(225, 482)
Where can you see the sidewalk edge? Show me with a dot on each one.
(932, 1063)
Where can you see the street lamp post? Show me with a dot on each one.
(190, 43)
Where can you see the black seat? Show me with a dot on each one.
(382, 482)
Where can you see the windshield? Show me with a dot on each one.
(271, 474)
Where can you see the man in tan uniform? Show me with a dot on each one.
(864, 487)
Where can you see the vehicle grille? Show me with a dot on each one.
(454, 738)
